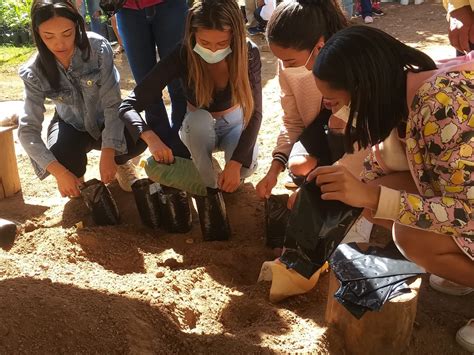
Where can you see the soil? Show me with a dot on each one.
(129, 289)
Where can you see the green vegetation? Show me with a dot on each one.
(15, 21)
(12, 57)
(15, 13)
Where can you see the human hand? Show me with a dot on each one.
(229, 179)
(265, 186)
(107, 166)
(461, 31)
(338, 183)
(292, 199)
(160, 151)
(68, 184)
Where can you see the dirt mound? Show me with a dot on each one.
(129, 289)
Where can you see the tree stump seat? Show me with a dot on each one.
(9, 177)
(387, 331)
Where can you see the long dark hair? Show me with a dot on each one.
(372, 66)
(43, 10)
(299, 24)
(219, 15)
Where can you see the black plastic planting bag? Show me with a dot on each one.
(175, 210)
(370, 278)
(213, 216)
(100, 202)
(7, 232)
(147, 197)
(276, 218)
(318, 227)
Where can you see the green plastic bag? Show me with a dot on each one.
(182, 175)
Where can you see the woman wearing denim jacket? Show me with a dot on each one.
(75, 70)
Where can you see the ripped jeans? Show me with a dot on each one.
(203, 134)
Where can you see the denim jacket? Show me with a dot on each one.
(88, 99)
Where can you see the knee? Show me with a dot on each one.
(301, 165)
(72, 159)
(65, 153)
(407, 243)
(198, 124)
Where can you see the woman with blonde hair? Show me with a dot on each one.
(220, 73)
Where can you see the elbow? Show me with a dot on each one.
(123, 108)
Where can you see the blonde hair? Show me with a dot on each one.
(219, 15)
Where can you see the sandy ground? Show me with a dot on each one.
(128, 289)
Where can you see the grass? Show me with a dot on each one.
(12, 57)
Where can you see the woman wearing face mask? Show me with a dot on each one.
(296, 32)
(419, 180)
(75, 70)
(220, 73)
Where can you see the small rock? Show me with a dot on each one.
(190, 241)
(159, 274)
(29, 226)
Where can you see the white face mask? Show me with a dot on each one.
(301, 70)
(210, 56)
(343, 114)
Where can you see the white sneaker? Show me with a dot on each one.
(368, 19)
(359, 232)
(465, 336)
(126, 175)
(449, 287)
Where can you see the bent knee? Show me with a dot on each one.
(198, 119)
(301, 165)
(197, 125)
(407, 242)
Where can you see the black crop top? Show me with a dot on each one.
(174, 66)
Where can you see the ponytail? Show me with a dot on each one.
(299, 24)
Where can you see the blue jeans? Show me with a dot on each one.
(348, 7)
(366, 8)
(203, 135)
(143, 31)
(92, 8)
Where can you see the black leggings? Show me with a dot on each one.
(70, 146)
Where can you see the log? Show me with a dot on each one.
(387, 331)
(9, 177)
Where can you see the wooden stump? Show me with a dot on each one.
(385, 332)
(9, 178)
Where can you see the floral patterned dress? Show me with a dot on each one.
(439, 148)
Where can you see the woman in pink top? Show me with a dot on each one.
(296, 32)
(418, 117)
